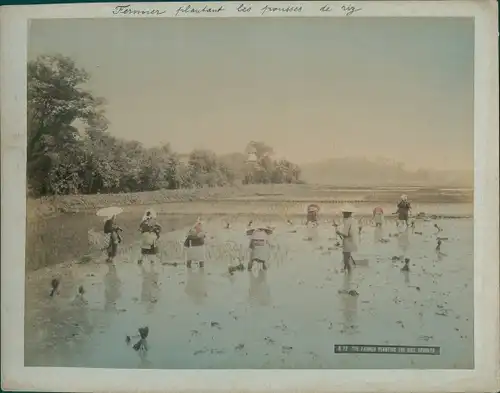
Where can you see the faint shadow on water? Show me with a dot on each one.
(259, 292)
(150, 288)
(377, 234)
(57, 328)
(349, 306)
(196, 287)
(406, 276)
(112, 288)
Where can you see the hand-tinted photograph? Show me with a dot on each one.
(250, 193)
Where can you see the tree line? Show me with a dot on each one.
(63, 158)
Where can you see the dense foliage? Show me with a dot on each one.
(70, 151)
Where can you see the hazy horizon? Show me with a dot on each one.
(313, 89)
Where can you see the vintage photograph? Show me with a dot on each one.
(282, 193)
(260, 197)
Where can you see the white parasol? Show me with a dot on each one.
(109, 212)
(348, 208)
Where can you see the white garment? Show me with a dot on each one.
(350, 235)
(378, 218)
(152, 215)
(148, 240)
(260, 246)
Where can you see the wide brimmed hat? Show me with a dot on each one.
(267, 229)
(313, 208)
(348, 208)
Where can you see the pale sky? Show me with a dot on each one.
(313, 89)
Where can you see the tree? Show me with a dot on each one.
(70, 151)
(260, 149)
(55, 101)
(202, 163)
(236, 164)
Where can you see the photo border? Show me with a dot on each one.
(13, 103)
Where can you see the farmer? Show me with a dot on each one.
(259, 246)
(113, 230)
(312, 214)
(348, 234)
(404, 208)
(378, 216)
(149, 223)
(148, 217)
(195, 245)
(150, 234)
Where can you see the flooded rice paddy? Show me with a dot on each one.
(289, 316)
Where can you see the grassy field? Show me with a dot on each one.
(256, 194)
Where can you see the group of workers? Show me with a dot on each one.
(150, 234)
(348, 232)
(350, 229)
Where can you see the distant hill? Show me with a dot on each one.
(358, 171)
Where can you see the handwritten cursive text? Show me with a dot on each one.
(288, 9)
(189, 9)
(127, 10)
(244, 8)
(349, 9)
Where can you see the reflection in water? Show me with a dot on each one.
(406, 275)
(258, 291)
(440, 255)
(349, 305)
(61, 331)
(79, 300)
(404, 241)
(143, 356)
(377, 234)
(52, 349)
(196, 287)
(150, 289)
(112, 288)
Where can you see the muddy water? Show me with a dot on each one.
(287, 317)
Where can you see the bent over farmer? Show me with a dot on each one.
(259, 246)
(194, 245)
(150, 234)
(404, 208)
(378, 216)
(312, 214)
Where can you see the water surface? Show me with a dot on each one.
(289, 317)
